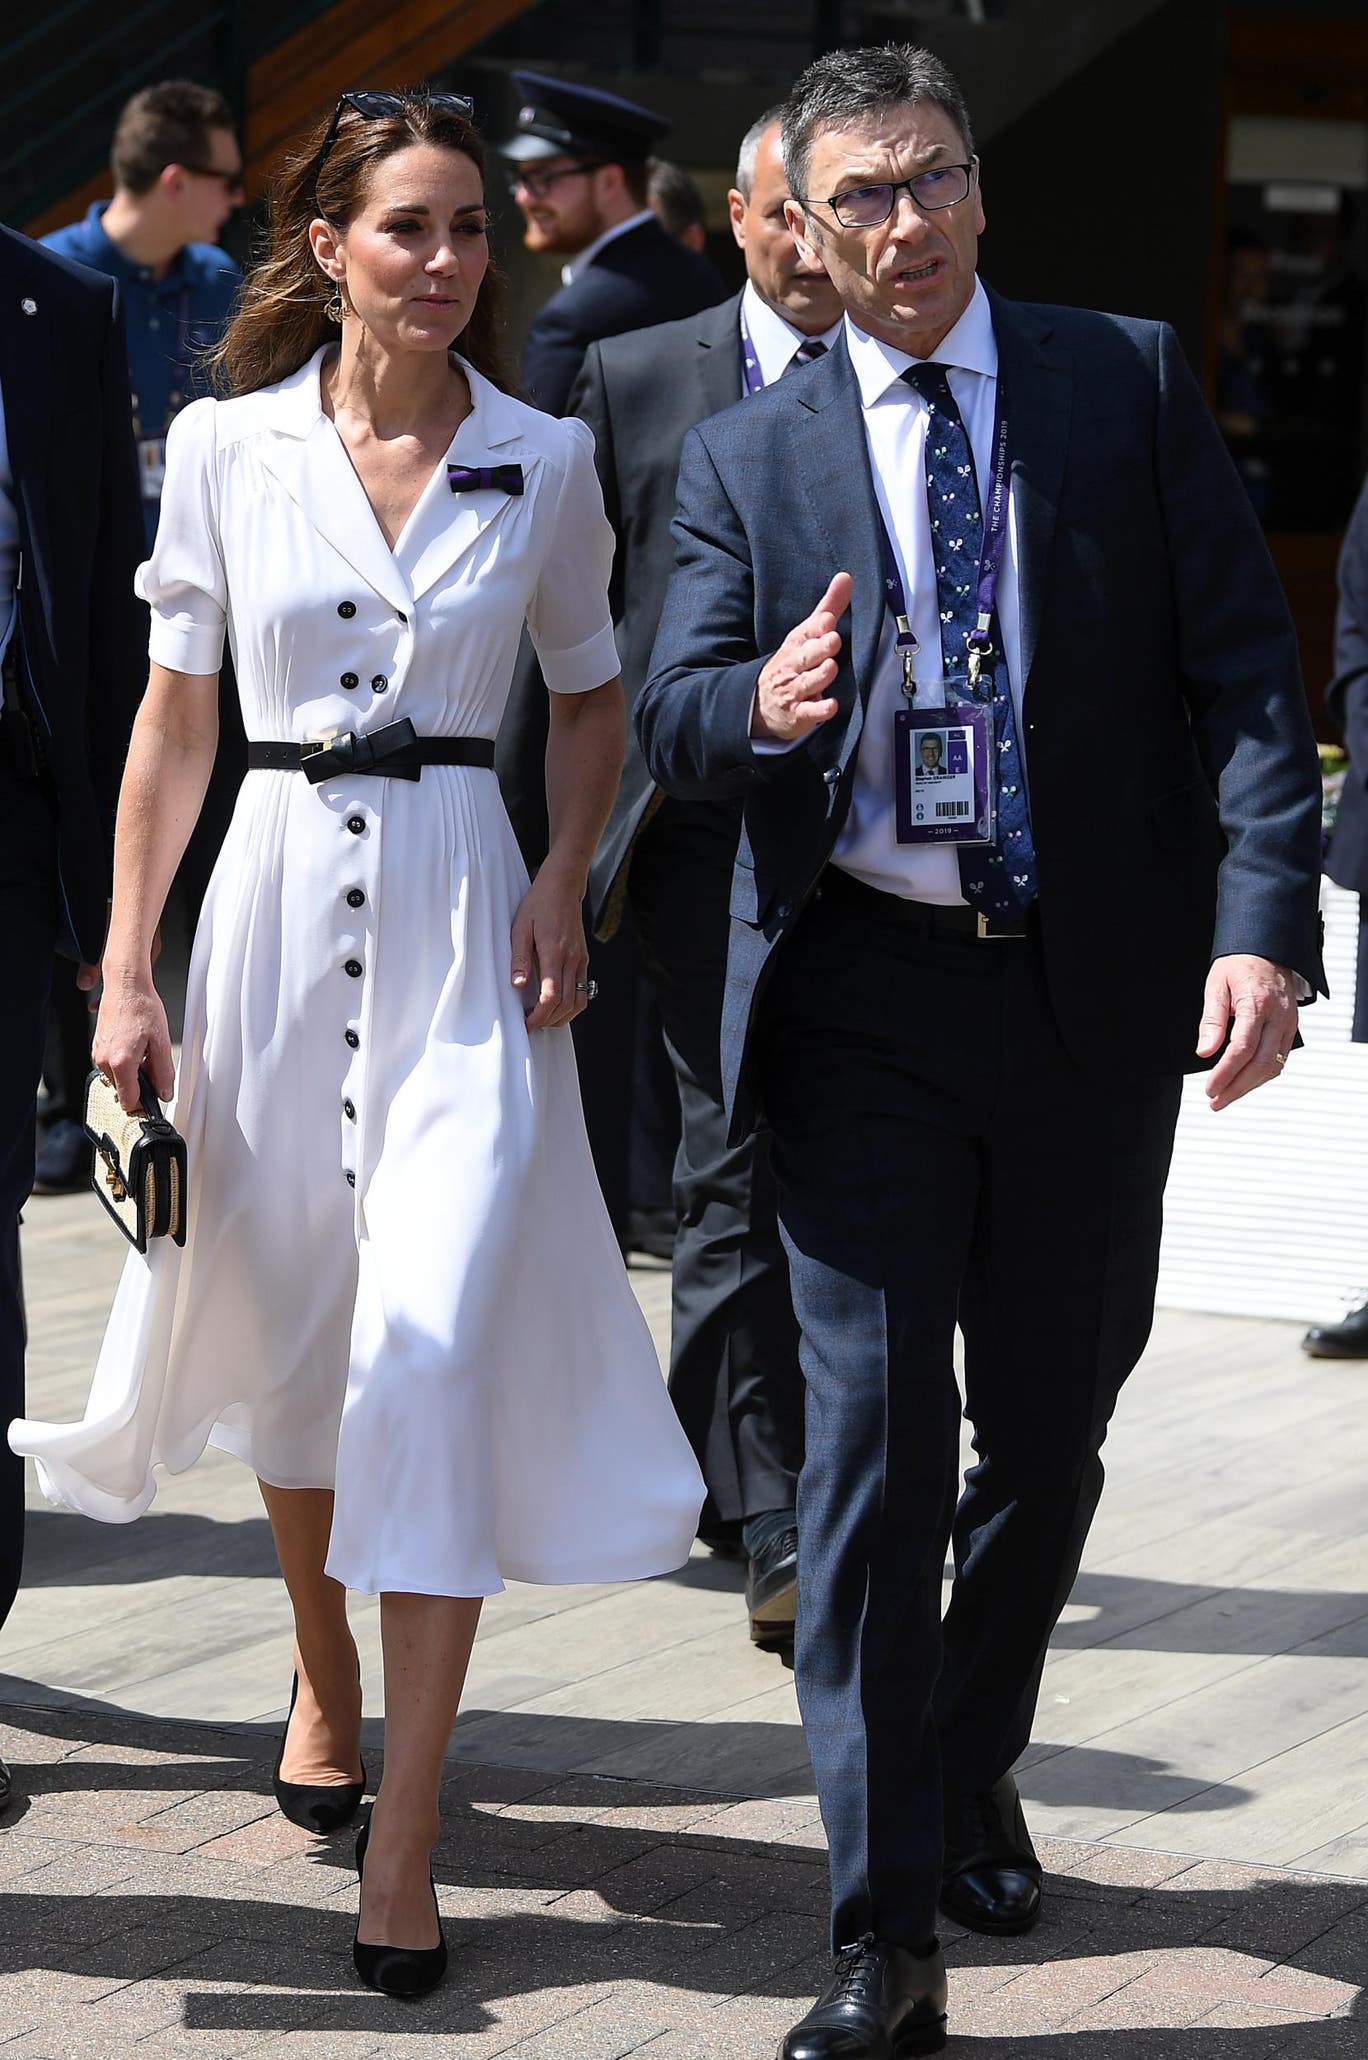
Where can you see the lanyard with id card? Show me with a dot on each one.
(152, 449)
(944, 755)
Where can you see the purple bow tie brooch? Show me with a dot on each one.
(467, 479)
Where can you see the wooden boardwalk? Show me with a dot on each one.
(1207, 1694)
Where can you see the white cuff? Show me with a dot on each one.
(588, 665)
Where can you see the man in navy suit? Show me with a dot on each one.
(580, 174)
(969, 1048)
(73, 644)
(1347, 859)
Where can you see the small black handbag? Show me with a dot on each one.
(139, 1170)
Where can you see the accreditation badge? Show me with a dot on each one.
(943, 768)
(152, 466)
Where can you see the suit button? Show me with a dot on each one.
(351, 1180)
(379, 685)
(356, 898)
(350, 680)
(831, 775)
(784, 911)
(352, 1038)
(346, 609)
(349, 1111)
(354, 967)
(356, 824)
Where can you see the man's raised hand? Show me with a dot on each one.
(791, 696)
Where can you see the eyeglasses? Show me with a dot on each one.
(538, 184)
(865, 207)
(232, 182)
(374, 106)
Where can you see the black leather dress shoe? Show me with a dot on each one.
(772, 1590)
(1345, 1340)
(882, 2003)
(6, 1788)
(992, 1877)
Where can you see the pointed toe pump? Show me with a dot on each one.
(397, 1970)
(313, 1807)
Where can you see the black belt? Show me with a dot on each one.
(924, 918)
(395, 752)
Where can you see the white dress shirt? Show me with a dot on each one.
(774, 339)
(9, 540)
(895, 419)
(575, 265)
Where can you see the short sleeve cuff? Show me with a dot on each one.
(182, 645)
(587, 666)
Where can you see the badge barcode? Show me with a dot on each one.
(952, 808)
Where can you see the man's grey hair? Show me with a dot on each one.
(846, 87)
(750, 148)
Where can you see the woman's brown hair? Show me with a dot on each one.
(281, 316)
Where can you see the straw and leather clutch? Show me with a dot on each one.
(139, 1171)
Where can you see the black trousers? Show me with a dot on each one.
(66, 1055)
(941, 1159)
(734, 1374)
(28, 910)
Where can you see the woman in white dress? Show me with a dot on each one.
(400, 1300)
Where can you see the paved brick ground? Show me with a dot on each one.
(152, 1902)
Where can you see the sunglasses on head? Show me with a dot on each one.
(375, 106)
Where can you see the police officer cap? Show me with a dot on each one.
(559, 119)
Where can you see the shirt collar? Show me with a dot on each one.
(107, 257)
(586, 256)
(774, 337)
(970, 346)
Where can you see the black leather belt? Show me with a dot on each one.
(395, 752)
(924, 918)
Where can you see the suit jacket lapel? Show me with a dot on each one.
(1038, 379)
(831, 457)
(26, 361)
(716, 362)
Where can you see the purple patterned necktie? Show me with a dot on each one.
(997, 879)
(807, 353)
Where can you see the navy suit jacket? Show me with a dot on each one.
(642, 276)
(1347, 700)
(82, 630)
(1173, 776)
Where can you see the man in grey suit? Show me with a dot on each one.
(733, 1364)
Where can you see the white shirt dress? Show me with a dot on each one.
(399, 1279)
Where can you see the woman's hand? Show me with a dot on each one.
(550, 956)
(132, 1032)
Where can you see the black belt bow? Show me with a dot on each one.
(391, 750)
(465, 479)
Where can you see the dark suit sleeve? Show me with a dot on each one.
(589, 401)
(1237, 656)
(693, 718)
(552, 355)
(118, 619)
(1347, 695)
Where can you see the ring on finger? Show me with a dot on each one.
(1280, 1058)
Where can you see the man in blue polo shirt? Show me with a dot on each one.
(177, 178)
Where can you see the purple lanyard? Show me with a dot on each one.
(979, 639)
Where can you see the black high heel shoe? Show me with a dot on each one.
(315, 1808)
(397, 1970)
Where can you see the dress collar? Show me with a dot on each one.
(493, 418)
